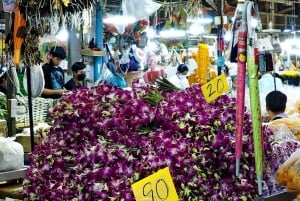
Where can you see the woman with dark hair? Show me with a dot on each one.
(180, 80)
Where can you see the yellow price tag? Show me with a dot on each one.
(215, 88)
(156, 187)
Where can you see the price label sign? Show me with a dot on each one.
(156, 187)
(215, 88)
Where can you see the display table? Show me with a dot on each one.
(284, 196)
(12, 189)
(13, 175)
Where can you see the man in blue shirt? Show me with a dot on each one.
(53, 74)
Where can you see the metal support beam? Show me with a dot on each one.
(98, 39)
(286, 2)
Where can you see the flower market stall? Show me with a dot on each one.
(104, 139)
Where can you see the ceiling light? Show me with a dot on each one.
(118, 20)
(172, 33)
(200, 20)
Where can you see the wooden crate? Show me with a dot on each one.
(25, 141)
(11, 190)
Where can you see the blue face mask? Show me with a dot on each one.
(180, 76)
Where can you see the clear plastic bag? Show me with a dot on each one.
(37, 80)
(112, 78)
(285, 126)
(288, 174)
(11, 155)
(139, 9)
(9, 5)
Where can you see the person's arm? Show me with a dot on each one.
(53, 91)
(48, 87)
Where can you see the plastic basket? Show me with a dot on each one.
(40, 107)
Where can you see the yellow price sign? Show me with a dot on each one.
(156, 187)
(215, 88)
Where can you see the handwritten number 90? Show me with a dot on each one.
(161, 190)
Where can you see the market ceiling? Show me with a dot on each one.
(279, 11)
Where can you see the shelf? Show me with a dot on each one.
(92, 53)
(286, 196)
(14, 174)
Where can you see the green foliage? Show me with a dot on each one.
(3, 107)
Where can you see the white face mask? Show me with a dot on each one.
(180, 76)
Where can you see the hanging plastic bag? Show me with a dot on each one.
(139, 9)
(37, 80)
(175, 59)
(134, 62)
(11, 155)
(264, 44)
(9, 5)
(112, 78)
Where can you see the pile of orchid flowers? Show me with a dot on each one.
(104, 139)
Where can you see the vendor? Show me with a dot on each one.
(53, 74)
(78, 70)
(180, 80)
(276, 104)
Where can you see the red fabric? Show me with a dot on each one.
(153, 74)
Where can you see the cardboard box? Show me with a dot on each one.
(26, 142)
(3, 126)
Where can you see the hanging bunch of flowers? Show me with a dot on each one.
(104, 139)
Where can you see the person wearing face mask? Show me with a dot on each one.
(180, 80)
(78, 70)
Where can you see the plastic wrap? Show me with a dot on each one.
(37, 80)
(11, 155)
(285, 126)
(139, 9)
(9, 5)
(288, 174)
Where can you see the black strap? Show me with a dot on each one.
(274, 77)
(110, 61)
(276, 118)
(108, 52)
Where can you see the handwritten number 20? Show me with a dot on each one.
(212, 91)
(160, 184)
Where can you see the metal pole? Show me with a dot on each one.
(30, 107)
(11, 94)
(98, 40)
(220, 39)
(11, 121)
